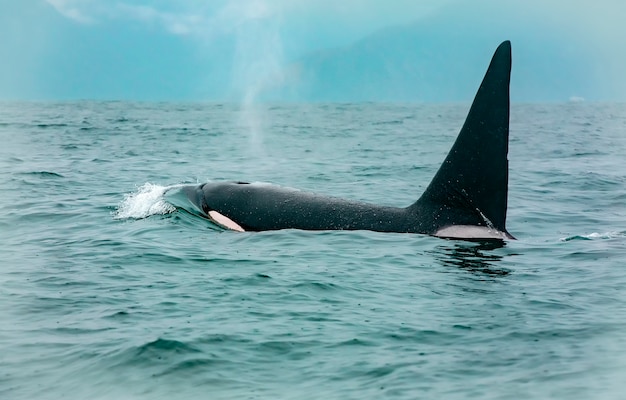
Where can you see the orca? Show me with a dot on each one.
(466, 199)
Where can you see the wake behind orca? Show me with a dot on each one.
(467, 198)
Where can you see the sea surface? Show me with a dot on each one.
(109, 290)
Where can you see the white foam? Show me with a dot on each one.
(146, 201)
(595, 235)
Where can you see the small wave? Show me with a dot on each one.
(43, 174)
(51, 125)
(390, 122)
(159, 347)
(146, 201)
(594, 236)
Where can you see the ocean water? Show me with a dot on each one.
(109, 290)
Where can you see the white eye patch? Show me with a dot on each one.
(224, 221)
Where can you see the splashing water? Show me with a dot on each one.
(146, 201)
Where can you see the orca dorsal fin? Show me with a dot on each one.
(471, 185)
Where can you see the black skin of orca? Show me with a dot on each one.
(470, 187)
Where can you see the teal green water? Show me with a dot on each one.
(108, 291)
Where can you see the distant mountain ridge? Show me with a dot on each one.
(441, 59)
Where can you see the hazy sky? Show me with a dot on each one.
(238, 49)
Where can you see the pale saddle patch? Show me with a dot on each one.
(225, 222)
(470, 232)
